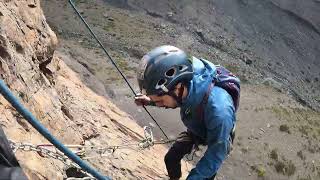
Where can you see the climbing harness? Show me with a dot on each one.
(190, 156)
(148, 141)
(4, 90)
(112, 61)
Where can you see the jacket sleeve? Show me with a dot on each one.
(219, 119)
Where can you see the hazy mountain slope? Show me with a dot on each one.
(283, 35)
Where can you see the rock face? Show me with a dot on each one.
(24, 35)
(58, 98)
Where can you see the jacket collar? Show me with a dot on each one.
(204, 73)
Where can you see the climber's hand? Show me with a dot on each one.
(142, 100)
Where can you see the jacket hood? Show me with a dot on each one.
(204, 74)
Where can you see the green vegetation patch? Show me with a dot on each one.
(282, 112)
(109, 26)
(305, 178)
(284, 166)
(284, 128)
(259, 169)
(76, 2)
(305, 129)
(301, 155)
(274, 154)
(305, 120)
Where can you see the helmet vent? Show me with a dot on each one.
(183, 67)
(174, 50)
(171, 72)
(160, 85)
(161, 82)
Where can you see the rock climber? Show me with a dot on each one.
(208, 97)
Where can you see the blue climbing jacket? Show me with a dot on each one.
(217, 121)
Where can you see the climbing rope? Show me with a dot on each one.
(112, 61)
(4, 90)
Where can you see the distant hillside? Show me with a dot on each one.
(280, 37)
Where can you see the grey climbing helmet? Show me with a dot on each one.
(162, 69)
